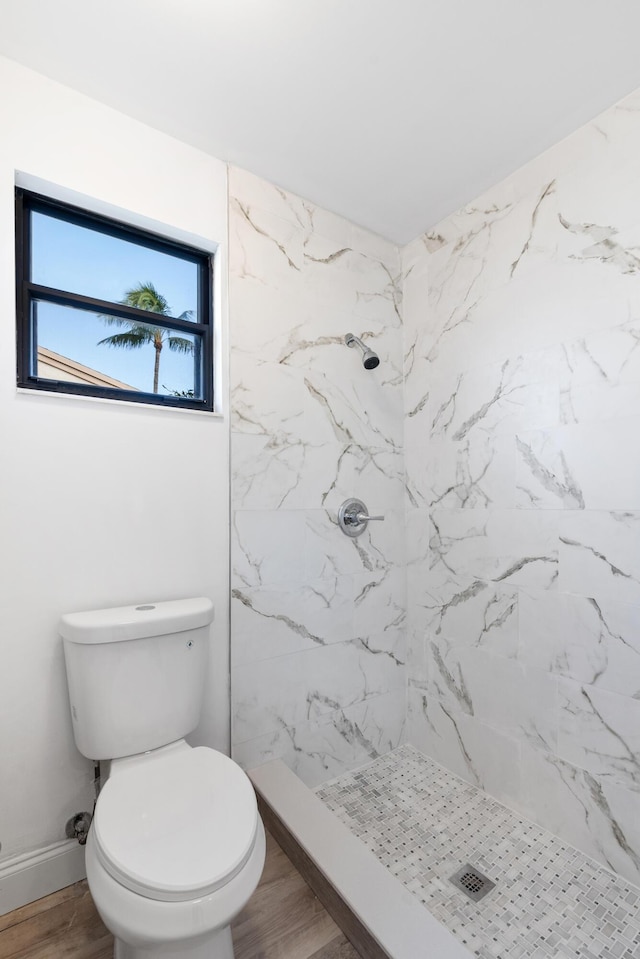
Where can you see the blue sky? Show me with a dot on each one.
(84, 261)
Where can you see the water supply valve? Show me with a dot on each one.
(78, 827)
(353, 517)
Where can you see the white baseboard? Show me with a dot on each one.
(32, 875)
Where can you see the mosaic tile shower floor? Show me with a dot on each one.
(423, 824)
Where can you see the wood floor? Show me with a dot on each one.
(283, 920)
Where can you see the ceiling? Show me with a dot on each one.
(392, 113)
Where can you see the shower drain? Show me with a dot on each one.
(472, 882)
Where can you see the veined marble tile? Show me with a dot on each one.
(620, 805)
(522, 396)
(600, 375)
(600, 554)
(609, 358)
(599, 402)
(492, 236)
(415, 300)
(417, 536)
(597, 146)
(477, 614)
(319, 350)
(344, 280)
(357, 406)
(600, 732)
(598, 817)
(309, 218)
(463, 226)
(267, 546)
(295, 295)
(311, 427)
(294, 547)
(335, 400)
(508, 547)
(291, 308)
(477, 753)
(544, 478)
(518, 393)
(414, 255)
(590, 640)
(600, 206)
(588, 234)
(379, 601)
(416, 651)
(571, 467)
(272, 400)
(585, 204)
(379, 548)
(374, 475)
(388, 642)
(273, 621)
(470, 613)
(486, 617)
(546, 302)
(267, 475)
(307, 685)
(496, 691)
(375, 246)
(257, 192)
(279, 239)
(318, 750)
(598, 228)
(477, 472)
(417, 338)
(266, 316)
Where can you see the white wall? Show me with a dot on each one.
(100, 503)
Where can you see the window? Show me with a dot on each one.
(108, 310)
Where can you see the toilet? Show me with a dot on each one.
(176, 846)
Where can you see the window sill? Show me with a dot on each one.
(146, 407)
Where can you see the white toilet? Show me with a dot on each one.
(176, 846)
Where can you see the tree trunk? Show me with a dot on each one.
(156, 368)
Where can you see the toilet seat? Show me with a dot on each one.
(176, 826)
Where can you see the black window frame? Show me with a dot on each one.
(27, 201)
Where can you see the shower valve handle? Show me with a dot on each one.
(353, 517)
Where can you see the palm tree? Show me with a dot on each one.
(144, 296)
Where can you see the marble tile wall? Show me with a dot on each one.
(317, 619)
(522, 426)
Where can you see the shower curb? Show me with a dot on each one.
(356, 932)
(379, 916)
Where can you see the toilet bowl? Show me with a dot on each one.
(175, 850)
(176, 846)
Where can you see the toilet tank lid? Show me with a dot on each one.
(121, 623)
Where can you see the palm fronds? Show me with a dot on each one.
(145, 296)
(178, 344)
(132, 339)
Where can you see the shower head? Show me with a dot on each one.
(369, 359)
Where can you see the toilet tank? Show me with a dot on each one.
(136, 674)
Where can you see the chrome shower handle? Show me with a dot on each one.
(353, 517)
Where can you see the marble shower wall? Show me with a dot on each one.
(317, 619)
(522, 436)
